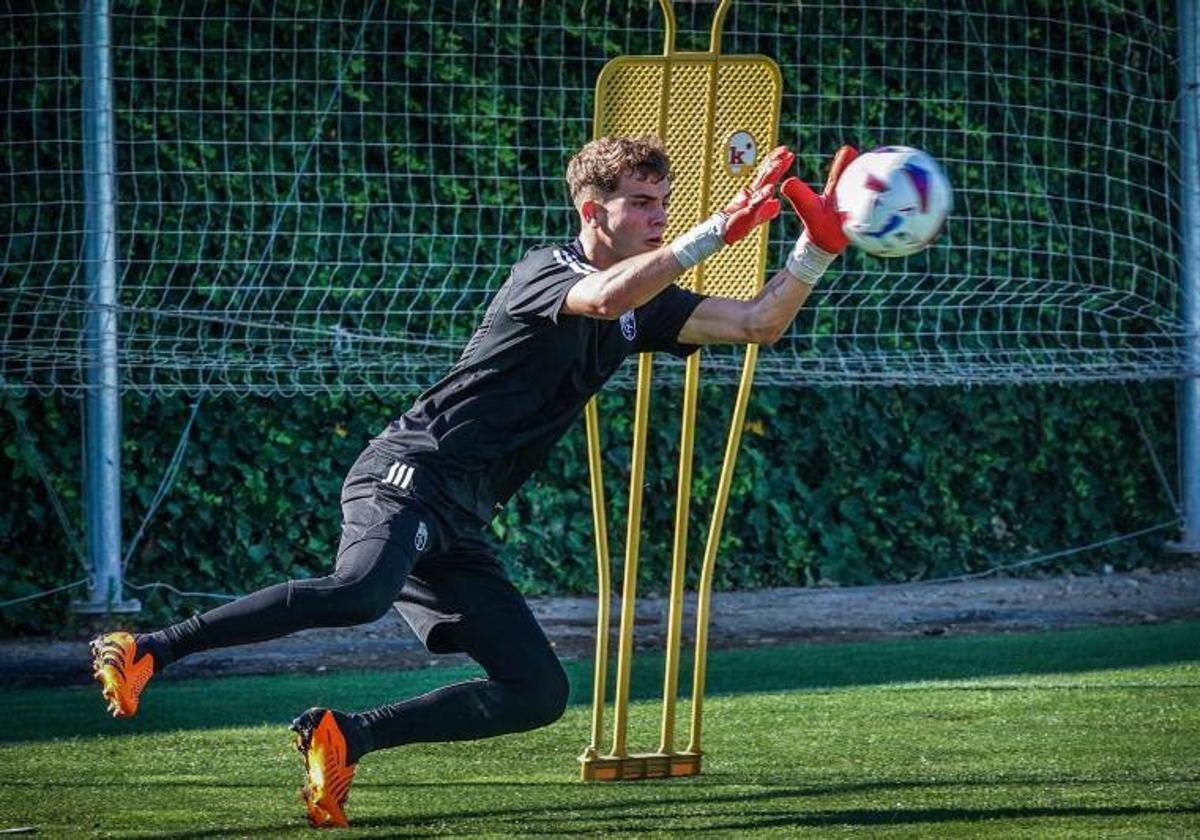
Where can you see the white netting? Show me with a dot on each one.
(322, 196)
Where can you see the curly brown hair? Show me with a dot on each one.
(600, 164)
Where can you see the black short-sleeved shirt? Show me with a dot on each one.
(525, 375)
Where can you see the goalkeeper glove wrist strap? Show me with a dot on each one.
(807, 262)
(701, 242)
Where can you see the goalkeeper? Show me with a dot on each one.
(416, 500)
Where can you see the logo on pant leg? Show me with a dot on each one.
(422, 538)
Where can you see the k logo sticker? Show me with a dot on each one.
(741, 151)
(422, 538)
(629, 326)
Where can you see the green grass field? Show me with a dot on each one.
(1079, 733)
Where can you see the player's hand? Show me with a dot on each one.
(755, 204)
(751, 207)
(822, 221)
(747, 211)
(772, 168)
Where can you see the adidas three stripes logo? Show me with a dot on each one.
(400, 475)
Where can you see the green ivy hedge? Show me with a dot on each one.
(846, 486)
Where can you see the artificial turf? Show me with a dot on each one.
(1082, 733)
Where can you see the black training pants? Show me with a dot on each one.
(397, 550)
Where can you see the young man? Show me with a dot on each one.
(416, 500)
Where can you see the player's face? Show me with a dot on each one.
(636, 215)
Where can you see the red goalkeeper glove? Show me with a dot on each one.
(756, 203)
(823, 238)
(753, 205)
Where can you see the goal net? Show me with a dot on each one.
(318, 196)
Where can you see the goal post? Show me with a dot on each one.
(1189, 229)
(102, 400)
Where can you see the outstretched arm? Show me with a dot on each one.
(766, 317)
(610, 293)
(633, 281)
(762, 320)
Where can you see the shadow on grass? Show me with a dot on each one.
(699, 804)
(611, 820)
(701, 786)
(799, 667)
(42, 713)
(721, 813)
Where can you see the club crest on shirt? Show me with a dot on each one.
(422, 538)
(629, 326)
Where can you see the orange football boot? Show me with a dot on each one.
(121, 673)
(327, 775)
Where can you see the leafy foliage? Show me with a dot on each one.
(842, 486)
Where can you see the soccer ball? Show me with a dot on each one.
(894, 200)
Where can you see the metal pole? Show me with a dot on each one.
(1189, 200)
(102, 401)
(603, 585)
